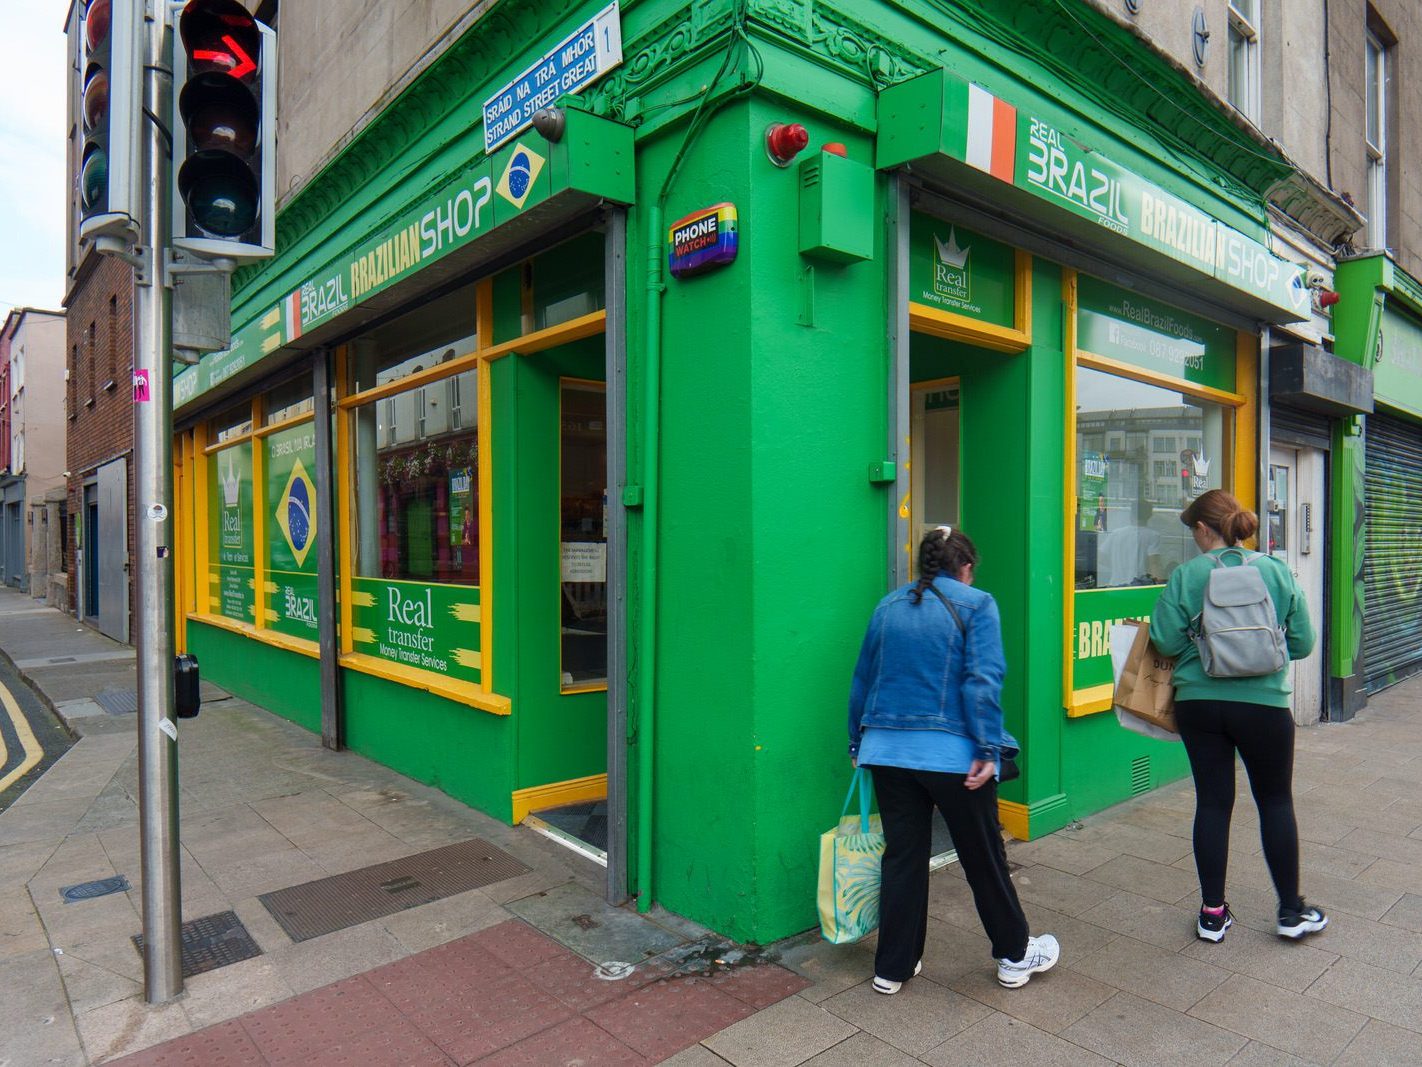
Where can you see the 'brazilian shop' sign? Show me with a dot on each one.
(291, 508)
(231, 571)
(1095, 611)
(570, 66)
(424, 625)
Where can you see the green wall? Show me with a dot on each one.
(285, 683)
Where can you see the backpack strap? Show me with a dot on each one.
(949, 605)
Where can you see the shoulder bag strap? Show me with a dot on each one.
(949, 605)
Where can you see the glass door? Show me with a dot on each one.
(934, 446)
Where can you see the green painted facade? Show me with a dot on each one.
(767, 504)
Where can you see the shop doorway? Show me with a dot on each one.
(1294, 532)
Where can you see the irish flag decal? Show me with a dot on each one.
(291, 307)
(992, 134)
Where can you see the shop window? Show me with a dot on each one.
(441, 330)
(583, 533)
(288, 401)
(568, 281)
(1244, 62)
(1375, 93)
(232, 423)
(1128, 530)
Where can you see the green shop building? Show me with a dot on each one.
(562, 463)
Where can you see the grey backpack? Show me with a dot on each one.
(1238, 633)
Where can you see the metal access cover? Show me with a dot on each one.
(100, 887)
(117, 701)
(330, 904)
(211, 942)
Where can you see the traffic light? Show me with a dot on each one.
(111, 91)
(224, 132)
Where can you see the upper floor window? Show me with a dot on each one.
(1375, 136)
(1244, 77)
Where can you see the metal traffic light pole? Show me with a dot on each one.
(153, 499)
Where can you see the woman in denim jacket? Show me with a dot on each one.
(925, 718)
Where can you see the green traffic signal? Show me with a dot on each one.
(93, 178)
(220, 191)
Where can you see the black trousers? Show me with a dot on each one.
(906, 802)
(1213, 731)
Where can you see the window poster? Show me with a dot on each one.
(462, 521)
(1094, 479)
(291, 511)
(231, 573)
(957, 270)
(423, 625)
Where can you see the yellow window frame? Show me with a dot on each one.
(1243, 479)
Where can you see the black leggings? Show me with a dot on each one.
(1213, 730)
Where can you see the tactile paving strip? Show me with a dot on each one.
(211, 942)
(330, 904)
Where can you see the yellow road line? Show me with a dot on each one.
(33, 752)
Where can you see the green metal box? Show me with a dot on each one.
(836, 209)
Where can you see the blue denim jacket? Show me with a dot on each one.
(917, 670)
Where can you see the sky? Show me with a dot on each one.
(33, 101)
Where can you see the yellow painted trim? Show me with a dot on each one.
(484, 436)
(266, 637)
(589, 325)
(345, 465)
(1013, 817)
(556, 794)
(1090, 701)
(468, 693)
(954, 327)
(285, 424)
(413, 381)
(1246, 420)
(201, 559)
(1150, 377)
(259, 520)
(583, 687)
(1022, 294)
(1069, 505)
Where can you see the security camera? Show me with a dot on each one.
(1316, 279)
(550, 122)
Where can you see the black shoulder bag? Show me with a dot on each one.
(1007, 768)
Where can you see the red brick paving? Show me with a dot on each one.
(507, 996)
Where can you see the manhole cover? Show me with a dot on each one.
(100, 887)
(211, 942)
(117, 701)
(342, 900)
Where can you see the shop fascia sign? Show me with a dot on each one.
(486, 194)
(570, 66)
(1397, 362)
(1032, 154)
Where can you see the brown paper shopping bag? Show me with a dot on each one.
(1146, 687)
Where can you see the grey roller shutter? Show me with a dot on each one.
(1392, 565)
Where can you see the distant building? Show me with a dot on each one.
(31, 448)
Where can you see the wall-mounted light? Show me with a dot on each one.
(785, 141)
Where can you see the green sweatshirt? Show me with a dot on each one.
(1184, 599)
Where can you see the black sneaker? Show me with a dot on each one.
(1302, 922)
(1212, 927)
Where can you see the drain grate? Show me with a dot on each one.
(117, 701)
(100, 887)
(342, 900)
(211, 942)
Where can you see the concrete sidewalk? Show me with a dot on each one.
(507, 973)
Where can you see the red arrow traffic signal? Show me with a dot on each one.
(235, 57)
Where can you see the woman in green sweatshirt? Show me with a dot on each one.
(1218, 717)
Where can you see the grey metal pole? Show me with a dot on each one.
(900, 535)
(153, 499)
(333, 733)
(615, 274)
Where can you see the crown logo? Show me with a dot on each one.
(231, 484)
(950, 254)
(1202, 467)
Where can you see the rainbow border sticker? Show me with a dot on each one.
(703, 240)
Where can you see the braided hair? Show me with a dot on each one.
(945, 551)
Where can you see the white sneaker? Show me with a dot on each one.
(1042, 955)
(888, 988)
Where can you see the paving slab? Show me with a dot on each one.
(1140, 1033)
(783, 1035)
(1000, 1037)
(1288, 1021)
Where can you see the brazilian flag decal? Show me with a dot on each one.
(296, 514)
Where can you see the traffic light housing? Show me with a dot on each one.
(111, 95)
(224, 132)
